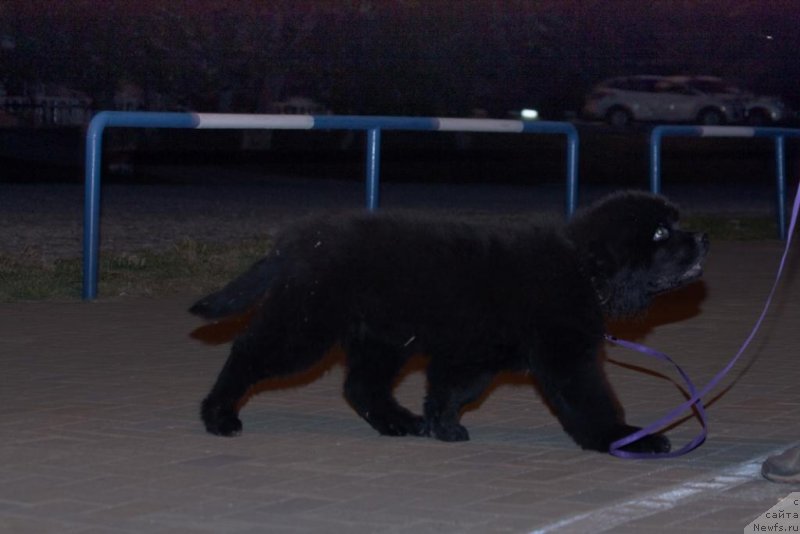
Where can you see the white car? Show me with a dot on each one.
(758, 110)
(619, 101)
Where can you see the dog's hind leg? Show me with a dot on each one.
(242, 370)
(371, 369)
(449, 390)
(275, 344)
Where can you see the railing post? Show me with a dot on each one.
(655, 160)
(373, 167)
(572, 173)
(780, 176)
(778, 134)
(91, 207)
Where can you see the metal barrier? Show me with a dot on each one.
(371, 124)
(778, 134)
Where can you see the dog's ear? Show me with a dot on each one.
(599, 259)
(598, 265)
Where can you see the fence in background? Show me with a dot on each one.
(372, 125)
(778, 134)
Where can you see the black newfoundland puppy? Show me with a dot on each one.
(476, 299)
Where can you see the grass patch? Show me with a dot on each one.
(28, 279)
(189, 267)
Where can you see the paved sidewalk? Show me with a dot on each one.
(98, 411)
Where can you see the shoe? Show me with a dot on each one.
(784, 467)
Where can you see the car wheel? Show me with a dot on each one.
(758, 117)
(619, 117)
(711, 117)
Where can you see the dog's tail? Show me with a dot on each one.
(240, 294)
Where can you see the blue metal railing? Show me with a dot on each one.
(371, 124)
(778, 134)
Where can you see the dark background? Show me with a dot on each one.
(398, 57)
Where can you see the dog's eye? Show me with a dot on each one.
(662, 233)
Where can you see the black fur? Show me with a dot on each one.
(475, 298)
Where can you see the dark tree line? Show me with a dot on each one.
(391, 56)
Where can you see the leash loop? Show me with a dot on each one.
(696, 398)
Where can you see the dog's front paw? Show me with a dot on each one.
(397, 423)
(654, 443)
(219, 421)
(228, 426)
(449, 432)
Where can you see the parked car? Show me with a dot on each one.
(621, 100)
(758, 110)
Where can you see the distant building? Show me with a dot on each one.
(47, 106)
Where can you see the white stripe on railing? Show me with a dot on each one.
(727, 131)
(479, 125)
(241, 121)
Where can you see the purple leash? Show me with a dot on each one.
(696, 397)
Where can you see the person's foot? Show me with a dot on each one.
(784, 467)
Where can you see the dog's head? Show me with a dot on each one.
(632, 249)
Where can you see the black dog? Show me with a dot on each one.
(475, 298)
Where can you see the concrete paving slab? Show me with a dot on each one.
(101, 431)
